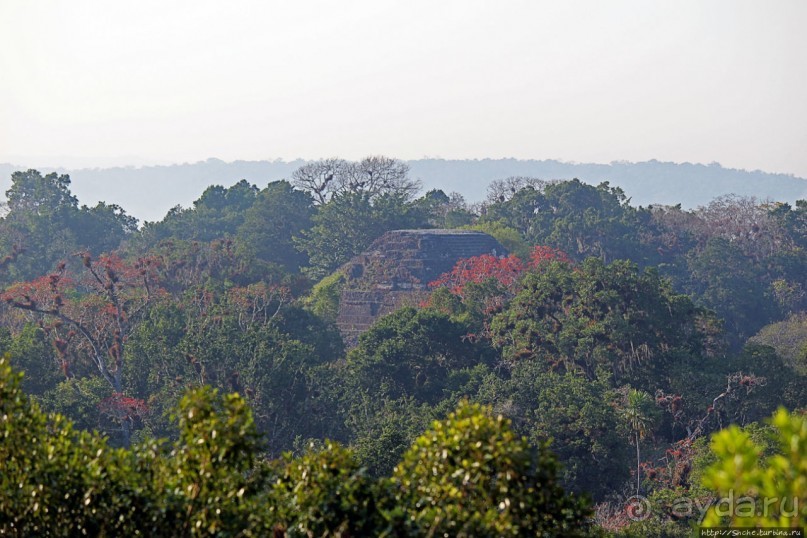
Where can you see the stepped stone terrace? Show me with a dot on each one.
(396, 269)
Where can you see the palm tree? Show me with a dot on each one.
(638, 413)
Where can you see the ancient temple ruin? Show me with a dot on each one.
(396, 270)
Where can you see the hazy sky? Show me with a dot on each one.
(99, 82)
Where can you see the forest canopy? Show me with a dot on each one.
(186, 376)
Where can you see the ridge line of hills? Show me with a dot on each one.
(148, 192)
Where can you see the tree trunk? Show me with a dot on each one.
(638, 468)
(126, 433)
(117, 386)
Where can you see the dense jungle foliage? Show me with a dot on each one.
(185, 377)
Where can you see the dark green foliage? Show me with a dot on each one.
(402, 366)
(565, 351)
(794, 220)
(270, 360)
(279, 214)
(381, 436)
(216, 214)
(103, 228)
(577, 416)
(58, 482)
(348, 223)
(77, 399)
(778, 385)
(598, 316)
(410, 353)
(579, 219)
(31, 352)
(44, 225)
(342, 228)
(725, 279)
(440, 210)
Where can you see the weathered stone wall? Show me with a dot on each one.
(396, 270)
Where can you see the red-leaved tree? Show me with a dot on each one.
(506, 271)
(479, 269)
(484, 284)
(90, 315)
(541, 255)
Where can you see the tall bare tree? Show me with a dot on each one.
(378, 175)
(320, 178)
(373, 176)
(502, 190)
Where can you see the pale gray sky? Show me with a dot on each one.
(94, 82)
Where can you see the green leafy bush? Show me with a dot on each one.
(755, 491)
(470, 475)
